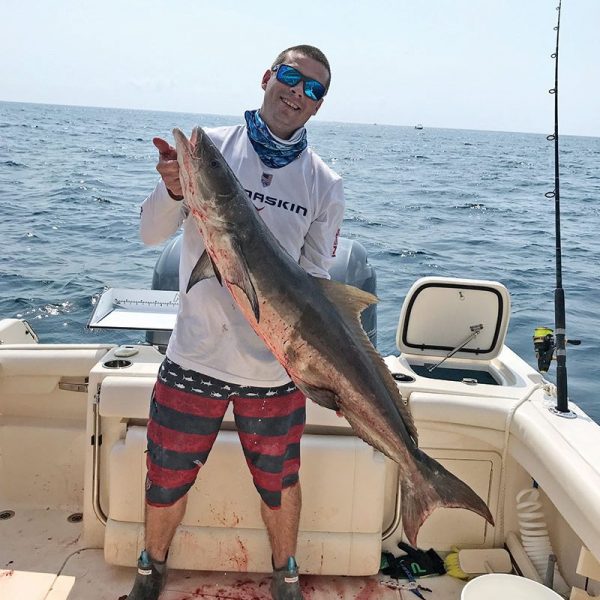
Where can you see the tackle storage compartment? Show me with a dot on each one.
(452, 329)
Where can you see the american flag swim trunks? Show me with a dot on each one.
(186, 412)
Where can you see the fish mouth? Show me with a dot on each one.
(196, 142)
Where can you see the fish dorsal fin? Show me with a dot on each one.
(350, 301)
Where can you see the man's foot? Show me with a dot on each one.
(150, 579)
(285, 583)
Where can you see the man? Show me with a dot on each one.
(213, 350)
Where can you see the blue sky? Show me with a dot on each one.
(468, 64)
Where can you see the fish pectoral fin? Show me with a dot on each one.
(325, 398)
(205, 269)
(246, 285)
(240, 277)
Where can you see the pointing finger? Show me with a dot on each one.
(166, 151)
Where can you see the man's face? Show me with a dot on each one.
(285, 108)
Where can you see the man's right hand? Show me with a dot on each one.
(168, 167)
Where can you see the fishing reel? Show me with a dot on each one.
(544, 345)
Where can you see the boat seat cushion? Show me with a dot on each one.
(129, 398)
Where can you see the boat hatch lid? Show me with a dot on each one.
(120, 308)
(441, 314)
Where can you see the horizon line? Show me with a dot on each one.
(313, 120)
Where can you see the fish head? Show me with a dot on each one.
(209, 186)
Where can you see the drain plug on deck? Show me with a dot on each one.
(6, 514)
(75, 518)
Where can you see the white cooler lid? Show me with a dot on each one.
(440, 313)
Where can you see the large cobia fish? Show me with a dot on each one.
(312, 326)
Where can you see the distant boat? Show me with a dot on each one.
(418, 126)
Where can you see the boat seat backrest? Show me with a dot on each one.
(127, 397)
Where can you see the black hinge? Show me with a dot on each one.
(93, 440)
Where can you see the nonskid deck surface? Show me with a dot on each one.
(42, 558)
(87, 577)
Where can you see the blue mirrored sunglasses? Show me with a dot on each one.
(287, 75)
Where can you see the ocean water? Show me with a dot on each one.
(423, 202)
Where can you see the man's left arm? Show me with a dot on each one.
(321, 239)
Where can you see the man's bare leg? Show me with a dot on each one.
(161, 523)
(282, 525)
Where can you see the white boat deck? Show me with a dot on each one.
(72, 438)
(46, 561)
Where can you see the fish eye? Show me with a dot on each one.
(214, 163)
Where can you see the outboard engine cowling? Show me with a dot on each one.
(166, 269)
(351, 266)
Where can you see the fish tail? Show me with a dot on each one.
(439, 488)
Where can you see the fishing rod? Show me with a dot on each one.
(544, 342)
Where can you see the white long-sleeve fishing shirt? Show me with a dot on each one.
(301, 203)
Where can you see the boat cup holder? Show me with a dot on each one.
(403, 377)
(117, 364)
